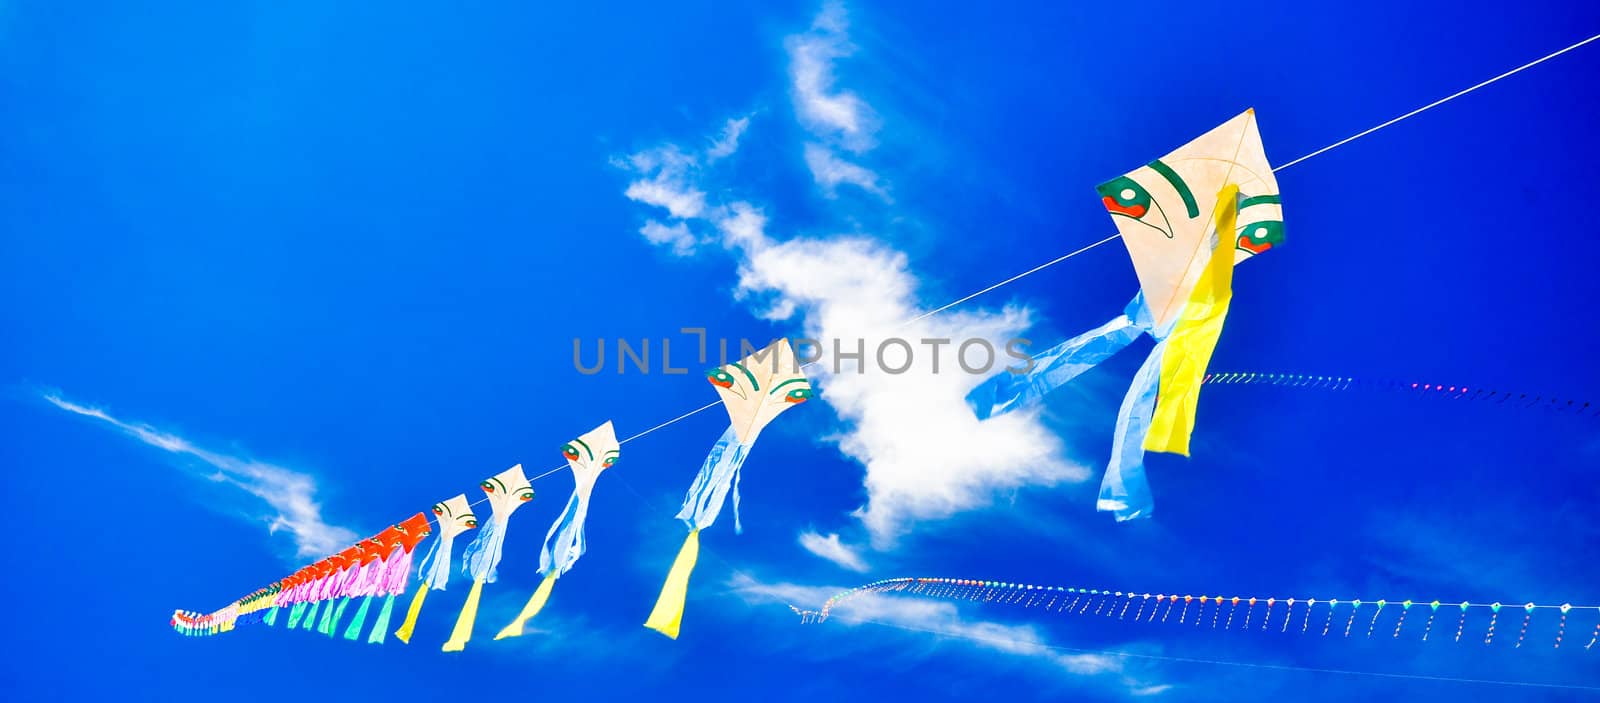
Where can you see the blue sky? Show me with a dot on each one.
(294, 272)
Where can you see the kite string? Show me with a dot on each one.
(1017, 644)
(1107, 240)
(1437, 103)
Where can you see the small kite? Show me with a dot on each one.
(753, 390)
(1186, 218)
(507, 491)
(454, 517)
(587, 456)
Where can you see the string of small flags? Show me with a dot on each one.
(1399, 619)
(1444, 391)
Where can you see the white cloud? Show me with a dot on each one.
(819, 105)
(833, 550)
(743, 227)
(830, 171)
(676, 236)
(926, 455)
(290, 494)
(727, 142)
(665, 182)
(933, 617)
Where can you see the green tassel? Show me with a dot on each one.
(380, 629)
(327, 612)
(296, 611)
(330, 621)
(272, 617)
(311, 616)
(354, 630)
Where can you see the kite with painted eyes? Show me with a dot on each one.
(506, 491)
(454, 517)
(587, 456)
(754, 391)
(1186, 219)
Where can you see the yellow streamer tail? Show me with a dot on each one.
(404, 633)
(535, 604)
(1183, 364)
(668, 613)
(469, 615)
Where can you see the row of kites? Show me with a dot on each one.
(1186, 219)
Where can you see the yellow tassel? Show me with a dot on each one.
(469, 614)
(404, 633)
(668, 613)
(1183, 365)
(535, 604)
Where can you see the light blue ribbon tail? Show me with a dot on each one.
(1057, 366)
(563, 544)
(710, 489)
(434, 569)
(481, 557)
(1124, 490)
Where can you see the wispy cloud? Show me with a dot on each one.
(833, 550)
(675, 236)
(943, 618)
(926, 456)
(290, 494)
(727, 142)
(819, 104)
(838, 119)
(666, 181)
(830, 172)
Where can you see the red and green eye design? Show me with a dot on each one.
(470, 521)
(1124, 196)
(1261, 235)
(720, 378)
(570, 452)
(487, 487)
(1258, 237)
(798, 390)
(438, 509)
(609, 461)
(525, 494)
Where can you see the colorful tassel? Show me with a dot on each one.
(380, 629)
(353, 632)
(469, 615)
(311, 616)
(404, 633)
(1188, 352)
(668, 613)
(535, 604)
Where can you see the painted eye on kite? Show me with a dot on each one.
(525, 495)
(487, 487)
(798, 395)
(608, 462)
(470, 521)
(1124, 196)
(438, 509)
(1258, 237)
(570, 452)
(720, 378)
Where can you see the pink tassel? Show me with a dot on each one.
(397, 573)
